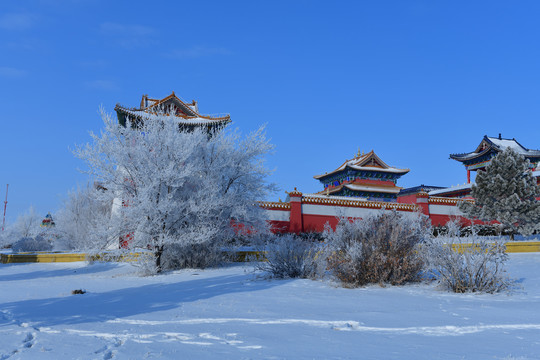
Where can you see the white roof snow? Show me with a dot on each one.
(507, 143)
(332, 197)
(390, 190)
(450, 189)
(189, 120)
(372, 168)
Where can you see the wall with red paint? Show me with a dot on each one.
(310, 214)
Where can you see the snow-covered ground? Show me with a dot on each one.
(231, 314)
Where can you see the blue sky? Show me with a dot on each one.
(412, 80)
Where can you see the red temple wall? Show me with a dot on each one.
(407, 199)
(308, 216)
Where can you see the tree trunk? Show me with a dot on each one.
(158, 251)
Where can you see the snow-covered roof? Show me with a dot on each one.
(184, 112)
(496, 144)
(383, 189)
(367, 162)
(356, 187)
(450, 189)
(191, 120)
(321, 196)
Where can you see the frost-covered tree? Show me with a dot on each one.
(27, 224)
(25, 227)
(84, 222)
(506, 191)
(177, 186)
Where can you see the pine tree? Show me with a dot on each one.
(506, 191)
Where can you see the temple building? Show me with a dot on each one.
(489, 147)
(476, 160)
(186, 114)
(365, 176)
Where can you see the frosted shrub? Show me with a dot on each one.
(378, 249)
(84, 222)
(193, 256)
(145, 263)
(28, 244)
(6, 238)
(469, 264)
(290, 256)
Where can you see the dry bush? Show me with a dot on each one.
(192, 256)
(27, 244)
(292, 256)
(378, 249)
(469, 264)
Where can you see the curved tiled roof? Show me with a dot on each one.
(497, 145)
(188, 114)
(367, 162)
(187, 120)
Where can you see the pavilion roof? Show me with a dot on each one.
(183, 112)
(493, 144)
(367, 162)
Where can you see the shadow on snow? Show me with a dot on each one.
(98, 307)
(72, 271)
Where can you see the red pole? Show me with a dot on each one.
(5, 206)
(468, 176)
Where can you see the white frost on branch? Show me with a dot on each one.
(179, 187)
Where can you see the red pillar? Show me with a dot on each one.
(468, 176)
(296, 224)
(422, 201)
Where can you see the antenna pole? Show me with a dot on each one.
(5, 206)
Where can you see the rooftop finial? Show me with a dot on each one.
(358, 154)
(500, 136)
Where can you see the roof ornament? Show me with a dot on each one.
(500, 136)
(358, 154)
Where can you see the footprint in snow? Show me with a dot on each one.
(29, 340)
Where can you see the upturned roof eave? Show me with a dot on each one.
(390, 170)
(141, 113)
(144, 112)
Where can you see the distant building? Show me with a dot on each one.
(476, 160)
(186, 114)
(365, 176)
(408, 195)
(48, 221)
(489, 148)
(365, 184)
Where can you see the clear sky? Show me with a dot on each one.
(412, 80)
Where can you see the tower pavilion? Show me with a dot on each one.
(365, 176)
(489, 148)
(186, 114)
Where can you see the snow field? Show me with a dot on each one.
(230, 313)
